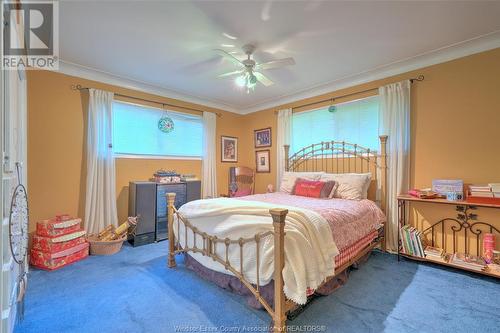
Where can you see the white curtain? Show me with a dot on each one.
(284, 137)
(395, 122)
(100, 199)
(209, 172)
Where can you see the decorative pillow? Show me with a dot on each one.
(329, 189)
(289, 178)
(308, 188)
(351, 185)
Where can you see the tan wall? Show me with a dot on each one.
(454, 127)
(454, 121)
(454, 134)
(56, 163)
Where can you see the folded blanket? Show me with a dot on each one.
(309, 246)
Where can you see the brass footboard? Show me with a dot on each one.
(209, 245)
(329, 156)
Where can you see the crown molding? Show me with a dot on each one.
(72, 69)
(458, 50)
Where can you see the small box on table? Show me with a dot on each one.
(447, 186)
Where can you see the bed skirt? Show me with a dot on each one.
(233, 284)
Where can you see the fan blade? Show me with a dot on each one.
(231, 73)
(229, 57)
(276, 63)
(263, 79)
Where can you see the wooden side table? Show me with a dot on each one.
(465, 223)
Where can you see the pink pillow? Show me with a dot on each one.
(326, 191)
(308, 188)
(242, 193)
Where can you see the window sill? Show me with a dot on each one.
(157, 157)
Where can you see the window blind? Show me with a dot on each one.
(135, 131)
(353, 122)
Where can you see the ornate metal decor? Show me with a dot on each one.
(333, 156)
(465, 230)
(18, 237)
(18, 224)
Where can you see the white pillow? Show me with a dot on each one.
(352, 186)
(289, 178)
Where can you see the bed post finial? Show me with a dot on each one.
(279, 216)
(383, 180)
(171, 236)
(287, 152)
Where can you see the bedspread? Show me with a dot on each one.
(350, 220)
(309, 245)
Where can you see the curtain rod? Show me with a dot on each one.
(418, 79)
(80, 87)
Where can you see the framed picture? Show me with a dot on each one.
(262, 137)
(262, 161)
(229, 149)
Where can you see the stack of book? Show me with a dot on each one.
(411, 241)
(435, 253)
(468, 261)
(495, 189)
(483, 191)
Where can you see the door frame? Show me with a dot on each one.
(13, 142)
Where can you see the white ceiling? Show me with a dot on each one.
(169, 45)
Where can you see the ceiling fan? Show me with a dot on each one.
(250, 72)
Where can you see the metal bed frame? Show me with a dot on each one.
(330, 156)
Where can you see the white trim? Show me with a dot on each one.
(454, 51)
(7, 266)
(337, 104)
(181, 114)
(6, 313)
(72, 69)
(462, 49)
(157, 157)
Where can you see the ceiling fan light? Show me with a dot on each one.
(240, 81)
(252, 79)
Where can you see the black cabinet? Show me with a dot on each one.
(148, 201)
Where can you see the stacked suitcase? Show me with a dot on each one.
(58, 242)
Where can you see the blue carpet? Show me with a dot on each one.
(134, 291)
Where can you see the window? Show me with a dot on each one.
(353, 122)
(135, 131)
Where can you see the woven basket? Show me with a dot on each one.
(105, 248)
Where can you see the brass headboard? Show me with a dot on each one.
(344, 157)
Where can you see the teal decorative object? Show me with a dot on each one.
(332, 108)
(166, 124)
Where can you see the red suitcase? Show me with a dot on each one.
(58, 244)
(52, 261)
(58, 226)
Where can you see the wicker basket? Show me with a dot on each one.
(105, 248)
